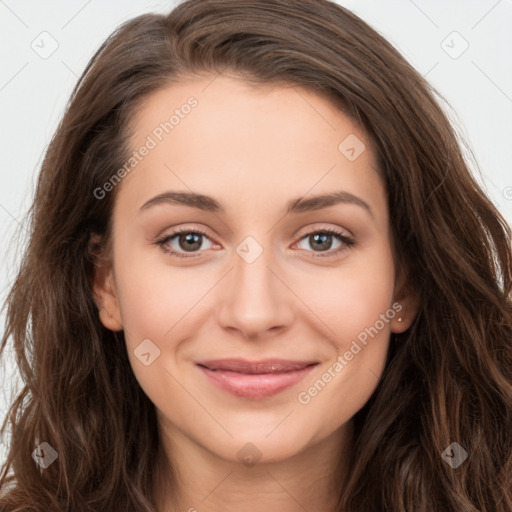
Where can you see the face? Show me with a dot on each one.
(265, 320)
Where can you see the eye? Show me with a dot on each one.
(188, 240)
(322, 240)
(191, 241)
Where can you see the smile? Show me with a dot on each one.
(255, 380)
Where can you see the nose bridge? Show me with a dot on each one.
(255, 300)
(251, 272)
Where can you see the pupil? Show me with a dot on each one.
(318, 239)
(191, 239)
(322, 237)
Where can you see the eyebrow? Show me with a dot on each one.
(299, 205)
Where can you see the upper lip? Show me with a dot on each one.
(256, 367)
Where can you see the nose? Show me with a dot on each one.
(254, 301)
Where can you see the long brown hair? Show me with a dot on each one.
(447, 379)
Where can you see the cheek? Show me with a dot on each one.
(351, 298)
(153, 296)
(159, 303)
(342, 387)
(357, 308)
(152, 306)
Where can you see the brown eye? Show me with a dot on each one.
(322, 241)
(183, 241)
(190, 241)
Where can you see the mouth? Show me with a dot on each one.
(255, 379)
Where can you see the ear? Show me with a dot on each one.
(409, 301)
(103, 285)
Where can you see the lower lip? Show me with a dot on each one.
(255, 386)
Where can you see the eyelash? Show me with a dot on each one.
(346, 241)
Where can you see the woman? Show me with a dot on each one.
(260, 276)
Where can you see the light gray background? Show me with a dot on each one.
(34, 88)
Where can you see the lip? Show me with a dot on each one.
(255, 379)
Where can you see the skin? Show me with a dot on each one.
(292, 302)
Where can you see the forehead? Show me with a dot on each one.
(229, 137)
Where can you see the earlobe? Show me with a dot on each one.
(408, 299)
(110, 321)
(104, 289)
(402, 320)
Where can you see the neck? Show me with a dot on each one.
(200, 481)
